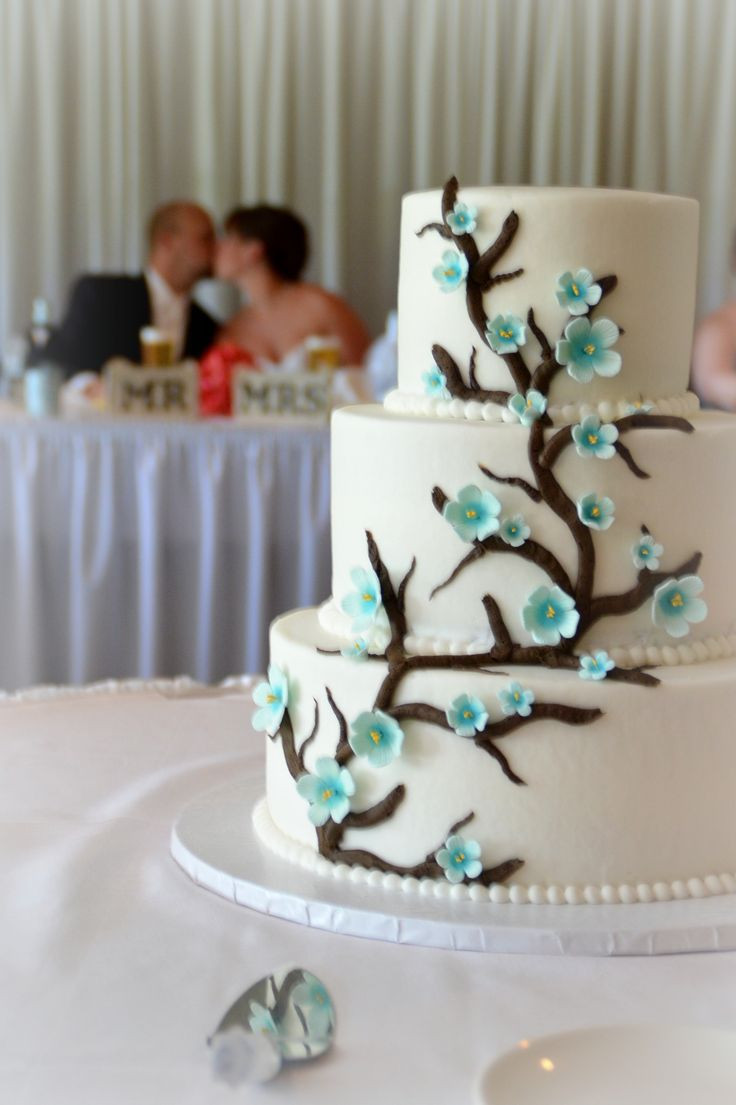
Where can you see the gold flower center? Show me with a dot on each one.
(595, 511)
(517, 696)
(506, 333)
(470, 513)
(449, 272)
(459, 857)
(551, 611)
(271, 698)
(644, 551)
(677, 599)
(512, 530)
(327, 794)
(367, 596)
(592, 439)
(467, 713)
(589, 348)
(375, 736)
(575, 289)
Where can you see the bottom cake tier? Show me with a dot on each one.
(585, 790)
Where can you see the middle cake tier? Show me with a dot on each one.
(658, 494)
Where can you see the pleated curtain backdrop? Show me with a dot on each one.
(337, 107)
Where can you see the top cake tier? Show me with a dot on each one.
(475, 261)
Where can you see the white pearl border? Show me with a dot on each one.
(404, 402)
(516, 893)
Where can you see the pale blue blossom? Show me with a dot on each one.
(356, 650)
(516, 699)
(467, 715)
(639, 406)
(474, 514)
(646, 552)
(273, 698)
(315, 1004)
(577, 291)
(527, 408)
(596, 665)
(506, 333)
(514, 531)
(453, 270)
(364, 602)
(595, 439)
(550, 614)
(675, 604)
(596, 511)
(376, 737)
(328, 791)
(460, 858)
(435, 384)
(585, 349)
(463, 219)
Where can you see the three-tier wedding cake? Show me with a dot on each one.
(517, 689)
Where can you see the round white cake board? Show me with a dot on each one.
(215, 843)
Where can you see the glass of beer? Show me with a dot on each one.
(322, 353)
(157, 348)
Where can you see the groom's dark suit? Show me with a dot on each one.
(104, 318)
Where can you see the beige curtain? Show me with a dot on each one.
(338, 107)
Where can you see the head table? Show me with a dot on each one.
(116, 967)
(133, 547)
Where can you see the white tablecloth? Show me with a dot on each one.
(132, 548)
(115, 966)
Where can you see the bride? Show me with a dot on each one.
(264, 251)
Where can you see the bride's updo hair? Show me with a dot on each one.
(284, 236)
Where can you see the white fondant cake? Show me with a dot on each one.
(517, 688)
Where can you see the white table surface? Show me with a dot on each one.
(144, 547)
(115, 966)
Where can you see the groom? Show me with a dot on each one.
(106, 312)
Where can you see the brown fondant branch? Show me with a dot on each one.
(343, 751)
(531, 550)
(377, 814)
(308, 740)
(396, 616)
(482, 271)
(457, 387)
(513, 481)
(428, 869)
(288, 744)
(628, 601)
(501, 636)
(520, 374)
(401, 594)
(548, 368)
(629, 461)
(539, 334)
(560, 441)
(439, 228)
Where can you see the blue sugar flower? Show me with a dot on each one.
(356, 650)
(577, 291)
(273, 698)
(639, 406)
(261, 1019)
(467, 715)
(675, 603)
(453, 270)
(593, 439)
(516, 699)
(595, 666)
(505, 333)
(435, 384)
(474, 514)
(460, 858)
(328, 791)
(514, 531)
(315, 1003)
(527, 408)
(377, 737)
(585, 349)
(596, 511)
(646, 552)
(364, 602)
(550, 614)
(463, 219)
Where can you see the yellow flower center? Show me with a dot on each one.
(592, 439)
(470, 513)
(449, 272)
(589, 348)
(595, 511)
(367, 596)
(467, 713)
(551, 611)
(459, 857)
(327, 794)
(270, 698)
(375, 736)
(517, 696)
(506, 334)
(575, 289)
(512, 530)
(644, 551)
(677, 599)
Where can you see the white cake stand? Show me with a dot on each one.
(215, 843)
